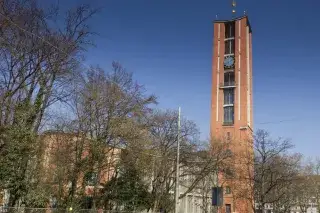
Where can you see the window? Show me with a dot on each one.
(90, 178)
(229, 36)
(228, 96)
(87, 203)
(217, 196)
(228, 153)
(228, 208)
(229, 79)
(228, 190)
(55, 177)
(228, 136)
(229, 173)
(53, 202)
(229, 46)
(228, 115)
(229, 29)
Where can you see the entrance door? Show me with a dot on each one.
(228, 208)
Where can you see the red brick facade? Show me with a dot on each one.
(240, 129)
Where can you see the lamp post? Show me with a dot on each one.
(177, 165)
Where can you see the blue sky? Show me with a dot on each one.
(167, 44)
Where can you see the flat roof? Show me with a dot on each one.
(235, 19)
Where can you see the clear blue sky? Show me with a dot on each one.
(167, 44)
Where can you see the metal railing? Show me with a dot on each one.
(228, 123)
(228, 84)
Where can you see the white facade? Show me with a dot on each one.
(199, 200)
(195, 202)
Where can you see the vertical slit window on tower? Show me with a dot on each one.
(229, 46)
(229, 79)
(229, 29)
(229, 36)
(228, 96)
(228, 115)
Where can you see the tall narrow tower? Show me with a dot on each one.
(231, 102)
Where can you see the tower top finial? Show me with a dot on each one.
(234, 4)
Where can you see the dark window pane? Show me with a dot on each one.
(229, 46)
(229, 30)
(228, 96)
(217, 196)
(228, 115)
(228, 136)
(229, 79)
(228, 190)
(228, 208)
(226, 47)
(90, 178)
(228, 173)
(228, 153)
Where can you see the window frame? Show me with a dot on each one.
(229, 78)
(228, 119)
(228, 136)
(91, 178)
(228, 97)
(228, 190)
(228, 208)
(229, 47)
(230, 29)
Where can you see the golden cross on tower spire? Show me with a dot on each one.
(234, 7)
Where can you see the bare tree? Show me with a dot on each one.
(304, 192)
(38, 61)
(275, 170)
(195, 164)
(110, 110)
(313, 171)
(205, 188)
(286, 200)
(61, 158)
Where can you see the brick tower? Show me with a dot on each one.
(231, 106)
